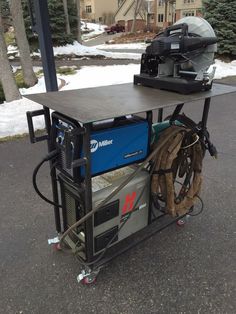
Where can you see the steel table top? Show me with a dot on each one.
(95, 104)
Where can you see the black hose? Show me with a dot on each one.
(48, 157)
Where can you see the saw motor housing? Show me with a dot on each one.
(179, 58)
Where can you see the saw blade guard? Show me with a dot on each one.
(200, 27)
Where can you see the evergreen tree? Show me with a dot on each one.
(57, 22)
(222, 16)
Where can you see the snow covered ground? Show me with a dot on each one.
(94, 30)
(132, 46)
(80, 50)
(13, 115)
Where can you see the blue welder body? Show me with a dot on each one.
(113, 144)
(118, 146)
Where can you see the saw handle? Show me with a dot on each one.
(183, 27)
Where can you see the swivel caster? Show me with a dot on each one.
(56, 246)
(55, 243)
(89, 280)
(88, 277)
(180, 222)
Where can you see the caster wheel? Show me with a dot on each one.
(57, 247)
(180, 223)
(88, 280)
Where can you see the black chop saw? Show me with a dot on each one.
(179, 58)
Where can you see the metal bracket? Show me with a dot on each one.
(53, 240)
(30, 115)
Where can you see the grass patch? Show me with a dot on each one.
(39, 73)
(66, 70)
(20, 79)
(12, 138)
(20, 136)
(9, 38)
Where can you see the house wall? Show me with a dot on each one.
(125, 15)
(188, 8)
(101, 10)
(126, 12)
(161, 20)
(176, 10)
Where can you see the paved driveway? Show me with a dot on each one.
(180, 270)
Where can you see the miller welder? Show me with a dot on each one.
(114, 144)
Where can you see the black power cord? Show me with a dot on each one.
(48, 157)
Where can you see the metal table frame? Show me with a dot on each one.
(55, 101)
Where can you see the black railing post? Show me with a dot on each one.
(42, 27)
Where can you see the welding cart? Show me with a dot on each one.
(101, 136)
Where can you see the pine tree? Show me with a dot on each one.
(222, 16)
(57, 22)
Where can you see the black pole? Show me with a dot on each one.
(42, 27)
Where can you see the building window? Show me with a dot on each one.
(188, 1)
(88, 9)
(160, 18)
(189, 13)
(161, 3)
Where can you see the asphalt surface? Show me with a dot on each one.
(180, 270)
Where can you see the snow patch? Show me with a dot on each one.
(122, 46)
(81, 50)
(13, 115)
(224, 69)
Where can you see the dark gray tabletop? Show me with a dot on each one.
(100, 103)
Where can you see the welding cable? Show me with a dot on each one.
(191, 211)
(48, 157)
(197, 128)
(121, 186)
